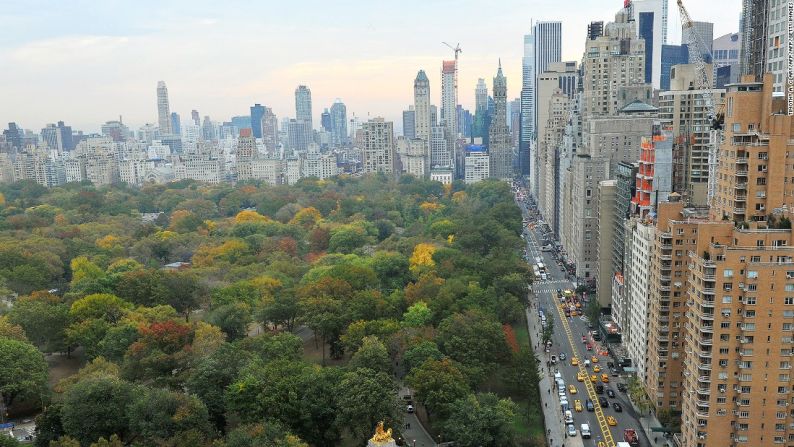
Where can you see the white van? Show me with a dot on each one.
(585, 430)
(568, 417)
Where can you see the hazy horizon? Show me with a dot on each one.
(87, 62)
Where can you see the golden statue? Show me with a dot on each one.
(381, 435)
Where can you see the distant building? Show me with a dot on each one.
(163, 109)
(299, 134)
(339, 135)
(477, 164)
(176, 126)
(325, 120)
(409, 123)
(303, 105)
(651, 19)
(378, 147)
(672, 55)
(257, 114)
(500, 149)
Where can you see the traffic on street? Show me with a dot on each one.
(585, 381)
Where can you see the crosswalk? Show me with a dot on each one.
(549, 285)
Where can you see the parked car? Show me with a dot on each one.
(589, 405)
(563, 356)
(622, 387)
(603, 402)
(571, 430)
(616, 406)
(409, 409)
(610, 393)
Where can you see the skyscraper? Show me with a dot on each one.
(409, 123)
(499, 142)
(548, 49)
(480, 96)
(325, 120)
(303, 105)
(422, 119)
(176, 126)
(671, 55)
(163, 109)
(481, 116)
(194, 115)
(527, 118)
(705, 30)
(270, 130)
(257, 113)
(754, 23)
(339, 123)
(651, 19)
(449, 97)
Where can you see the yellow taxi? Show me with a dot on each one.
(580, 377)
(604, 378)
(574, 361)
(611, 421)
(596, 369)
(594, 378)
(577, 405)
(572, 389)
(578, 305)
(594, 359)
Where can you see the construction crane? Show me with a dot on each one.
(456, 49)
(697, 48)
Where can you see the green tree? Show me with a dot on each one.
(638, 396)
(156, 415)
(593, 311)
(481, 421)
(267, 391)
(417, 354)
(366, 397)
(44, 318)
(548, 331)
(417, 315)
(279, 311)
(48, 425)
(267, 434)
(523, 374)
(11, 330)
(23, 372)
(233, 319)
(475, 340)
(212, 375)
(436, 384)
(184, 292)
(142, 287)
(274, 346)
(373, 355)
(97, 407)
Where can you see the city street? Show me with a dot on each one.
(567, 339)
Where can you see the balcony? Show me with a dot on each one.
(704, 379)
(707, 329)
(706, 341)
(704, 413)
(741, 160)
(702, 403)
(741, 186)
(708, 291)
(705, 354)
(737, 210)
(704, 366)
(741, 173)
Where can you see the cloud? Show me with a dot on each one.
(68, 50)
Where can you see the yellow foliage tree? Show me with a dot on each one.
(245, 216)
(107, 242)
(2, 199)
(308, 217)
(422, 258)
(459, 197)
(430, 207)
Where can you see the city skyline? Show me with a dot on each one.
(106, 59)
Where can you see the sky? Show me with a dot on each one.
(89, 61)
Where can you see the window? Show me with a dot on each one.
(752, 274)
(727, 273)
(727, 299)
(789, 300)
(737, 127)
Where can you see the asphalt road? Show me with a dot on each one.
(545, 291)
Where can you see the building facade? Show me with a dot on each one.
(500, 147)
(163, 108)
(378, 147)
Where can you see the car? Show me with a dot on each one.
(586, 363)
(604, 378)
(574, 361)
(594, 359)
(584, 339)
(553, 359)
(572, 389)
(614, 372)
(568, 417)
(577, 405)
(409, 408)
(563, 356)
(589, 347)
(603, 402)
(616, 406)
(580, 377)
(571, 430)
(589, 405)
(599, 389)
(561, 393)
(611, 421)
(594, 378)
(596, 369)
(585, 430)
(611, 393)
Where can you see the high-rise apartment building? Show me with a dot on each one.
(651, 19)
(778, 34)
(163, 109)
(449, 97)
(299, 134)
(176, 126)
(548, 49)
(303, 105)
(440, 156)
(754, 26)
(612, 61)
(325, 120)
(682, 109)
(500, 148)
(194, 115)
(378, 146)
(607, 193)
(257, 113)
(339, 123)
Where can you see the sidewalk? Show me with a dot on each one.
(551, 405)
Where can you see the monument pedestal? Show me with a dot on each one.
(381, 438)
